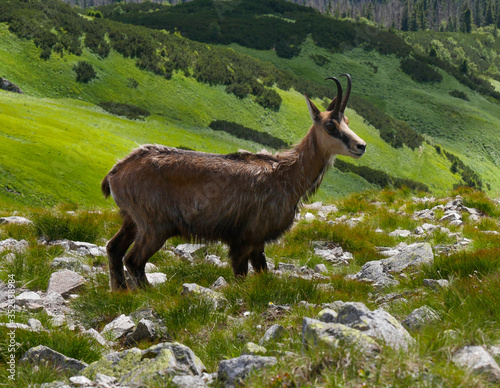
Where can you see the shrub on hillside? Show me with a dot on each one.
(243, 132)
(269, 99)
(126, 110)
(319, 60)
(84, 72)
(420, 71)
(459, 94)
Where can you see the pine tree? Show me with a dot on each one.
(489, 17)
(405, 18)
(466, 25)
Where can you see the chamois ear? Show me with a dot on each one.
(332, 105)
(313, 111)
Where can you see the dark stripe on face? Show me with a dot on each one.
(333, 130)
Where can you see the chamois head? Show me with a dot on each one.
(332, 126)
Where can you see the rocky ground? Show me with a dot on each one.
(338, 324)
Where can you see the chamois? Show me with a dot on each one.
(242, 199)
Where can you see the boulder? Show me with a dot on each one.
(145, 331)
(135, 367)
(13, 245)
(437, 284)
(218, 300)
(328, 315)
(188, 381)
(188, 249)
(376, 324)
(65, 282)
(477, 360)
(333, 335)
(15, 220)
(28, 297)
(253, 349)
(5, 84)
(233, 371)
(420, 317)
(274, 333)
(219, 283)
(118, 328)
(156, 278)
(42, 354)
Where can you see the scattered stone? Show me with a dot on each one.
(400, 233)
(150, 267)
(145, 331)
(105, 381)
(454, 218)
(411, 256)
(13, 245)
(233, 371)
(215, 297)
(320, 268)
(477, 360)
(437, 284)
(188, 249)
(328, 315)
(118, 328)
(309, 217)
(426, 214)
(35, 324)
(253, 349)
(420, 317)
(96, 335)
(135, 367)
(15, 220)
(28, 297)
(66, 262)
(374, 272)
(16, 325)
(65, 282)
(187, 381)
(58, 320)
(156, 278)
(219, 283)
(377, 324)
(81, 381)
(316, 333)
(43, 354)
(215, 260)
(274, 333)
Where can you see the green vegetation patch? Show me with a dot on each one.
(243, 132)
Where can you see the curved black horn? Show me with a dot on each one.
(336, 110)
(347, 93)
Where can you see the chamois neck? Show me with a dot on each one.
(304, 166)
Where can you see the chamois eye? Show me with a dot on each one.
(330, 126)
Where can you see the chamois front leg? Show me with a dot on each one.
(258, 259)
(239, 255)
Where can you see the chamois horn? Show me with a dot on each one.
(347, 93)
(335, 105)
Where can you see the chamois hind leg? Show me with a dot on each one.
(144, 247)
(116, 248)
(258, 260)
(239, 255)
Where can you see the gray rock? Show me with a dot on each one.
(426, 214)
(333, 335)
(96, 335)
(437, 284)
(135, 367)
(215, 297)
(15, 220)
(420, 317)
(15, 325)
(81, 381)
(105, 381)
(233, 371)
(150, 267)
(411, 256)
(374, 272)
(65, 282)
(215, 260)
(188, 249)
(145, 331)
(320, 268)
(66, 262)
(156, 278)
(118, 328)
(13, 245)
(287, 267)
(35, 324)
(377, 324)
(274, 333)
(188, 381)
(328, 315)
(219, 283)
(477, 360)
(28, 297)
(400, 233)
(42, 354)
(253, 349)
(451, 216)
